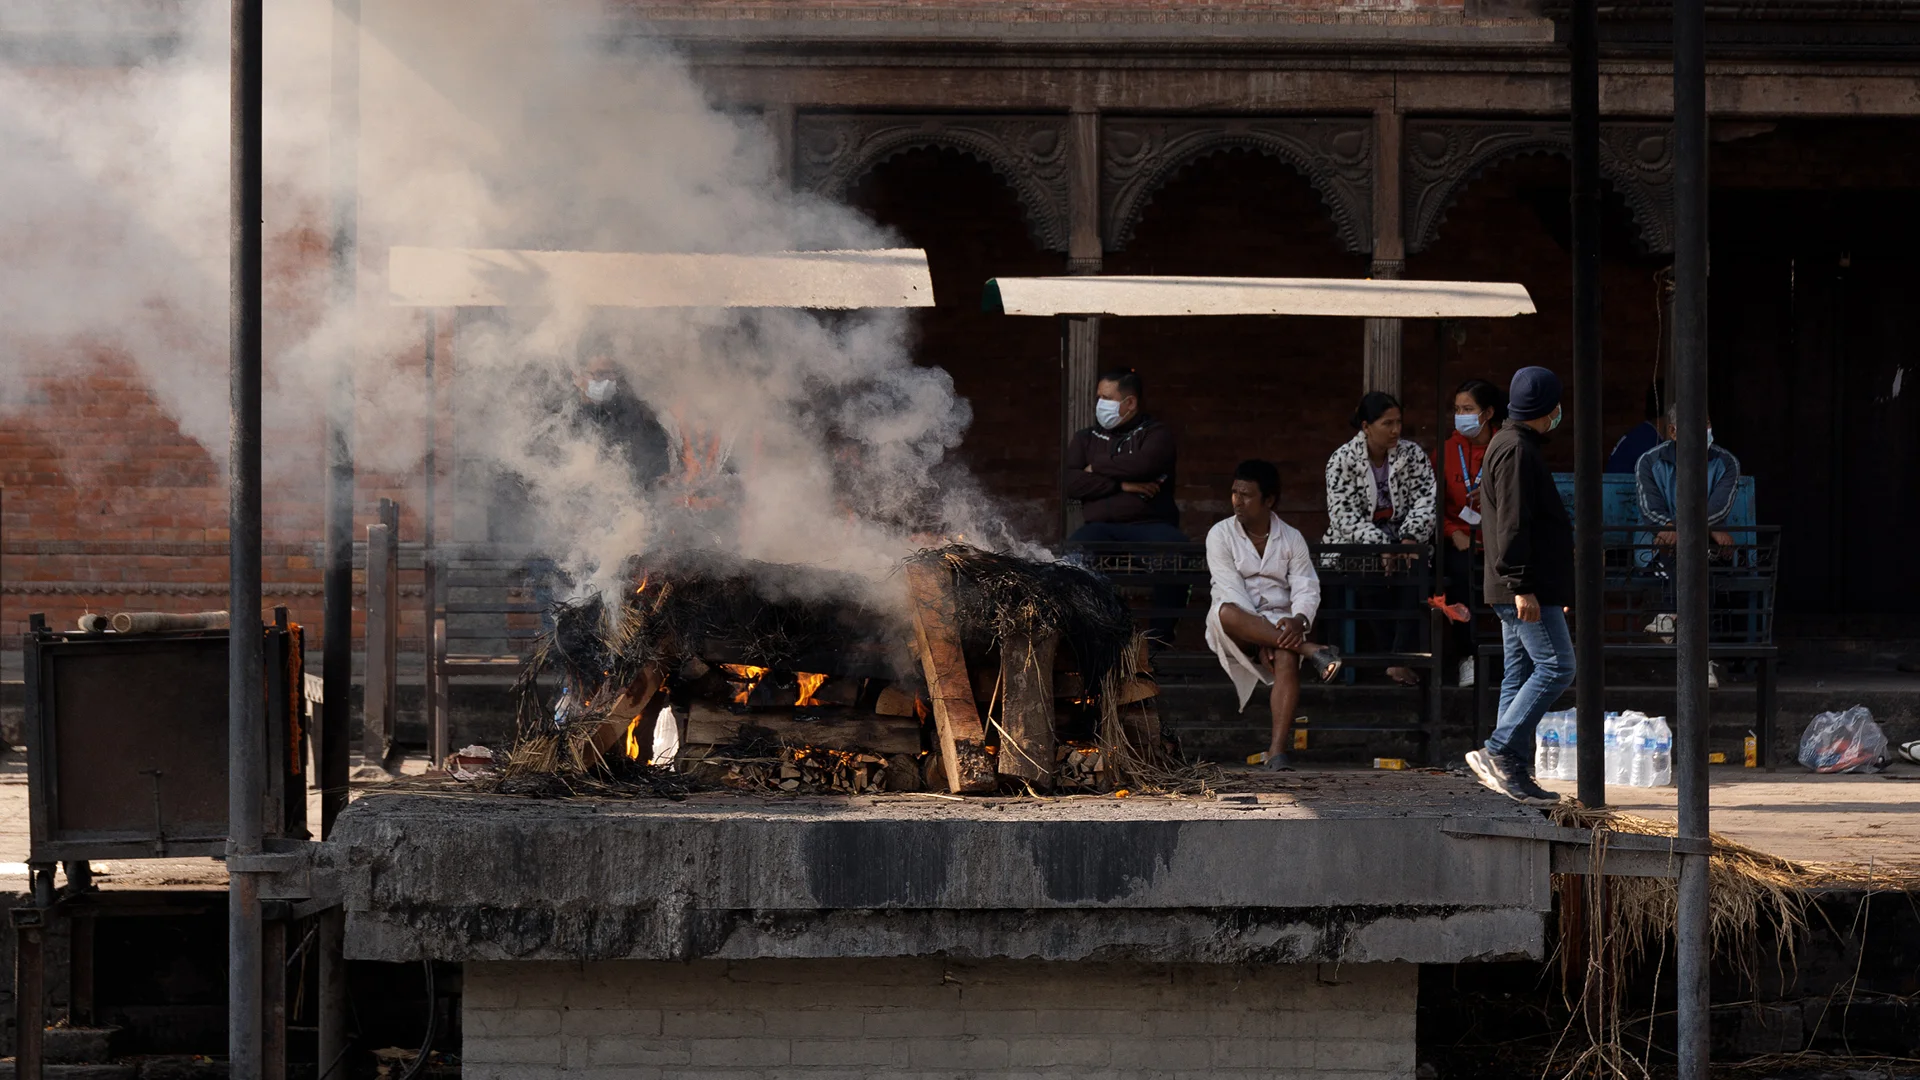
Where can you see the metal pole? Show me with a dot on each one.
(1589, 536)
(332, 756)
(333, 994)
(1690, 624)
(246, 694)
(429, 570)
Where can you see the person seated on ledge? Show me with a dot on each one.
(1265, 594)
(1121, 472)
(1381, 490)
(1653, 484)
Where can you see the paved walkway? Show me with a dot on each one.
(1871, 819)
(1864, 819)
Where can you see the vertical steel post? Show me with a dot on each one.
(1693, 953)
(1589, 552)
(331, 942)
(429, 570)
(273, 1000)
(246, 693)
(332, 756)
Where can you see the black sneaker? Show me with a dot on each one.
(1509, 778)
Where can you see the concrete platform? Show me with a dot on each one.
(1865, 820)
(1353, 868)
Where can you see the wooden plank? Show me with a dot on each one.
(468, 277)
(636, 700)
(711, 723)
(1137, 689)
(894, 701)
(1026, 708)
(956, 720)
(1115, 294)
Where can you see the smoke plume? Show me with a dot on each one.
(794, 437)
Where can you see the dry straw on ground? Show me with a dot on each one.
(1752, 897)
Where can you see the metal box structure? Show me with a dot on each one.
(127, 743)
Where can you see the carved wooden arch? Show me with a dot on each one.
(833, 151)
(1139, 156)
(1444, 156)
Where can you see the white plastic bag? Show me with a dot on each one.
(1843, 742)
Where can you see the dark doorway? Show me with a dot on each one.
(1815, 348)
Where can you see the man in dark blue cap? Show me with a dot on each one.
(1529, 582)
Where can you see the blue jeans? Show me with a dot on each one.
(1139, 532)
(1539, 659)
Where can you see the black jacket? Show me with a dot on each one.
(629, 427)
(1138, 451)
(1524, 525)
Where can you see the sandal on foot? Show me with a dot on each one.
(1326, 663)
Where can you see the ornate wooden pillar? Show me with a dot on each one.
(780, 125)
(1080, 334)
(1382, 349)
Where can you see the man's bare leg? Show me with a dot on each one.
(1263, 639)
(1285, 699)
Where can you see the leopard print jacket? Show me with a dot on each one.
(1350, 494)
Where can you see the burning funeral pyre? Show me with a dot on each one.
(997, 672)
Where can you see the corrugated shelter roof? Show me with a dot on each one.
(1358, 297)
(479, 277)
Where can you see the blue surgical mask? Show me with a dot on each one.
(1558, 415)
(1467, 424)
(599, 391)
(1709, 436)
(1106, 412)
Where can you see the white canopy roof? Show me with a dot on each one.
(1256, 296)
(477, 277)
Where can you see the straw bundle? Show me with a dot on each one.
(1609, 923)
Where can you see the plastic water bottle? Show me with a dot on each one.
(1619, 752)
(1662, 755)
(1569, 746)
(1640, 760)
(1546, 748)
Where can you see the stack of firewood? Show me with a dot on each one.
(812, 770)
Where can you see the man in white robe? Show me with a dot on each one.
(1265, 595)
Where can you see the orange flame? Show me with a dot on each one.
(748, 676)
(645, 579)
(809, 686)
(633, 739)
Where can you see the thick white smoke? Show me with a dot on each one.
(505, 123)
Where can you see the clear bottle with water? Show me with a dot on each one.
(1660, 752)
(1619, 750)
(1569, 746)
(1640, 754)
(1546, 748)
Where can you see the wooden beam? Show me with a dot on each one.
(956, 720)
(636, 700)
(1026, 707)
(836, 729)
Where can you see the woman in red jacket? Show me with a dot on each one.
(1479, 407)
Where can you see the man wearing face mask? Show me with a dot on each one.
(1529, 581)
(610, 410)
(1121, 471)
(1653, 483)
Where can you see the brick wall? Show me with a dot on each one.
(926, 1018)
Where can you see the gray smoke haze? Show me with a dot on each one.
(499, 124)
